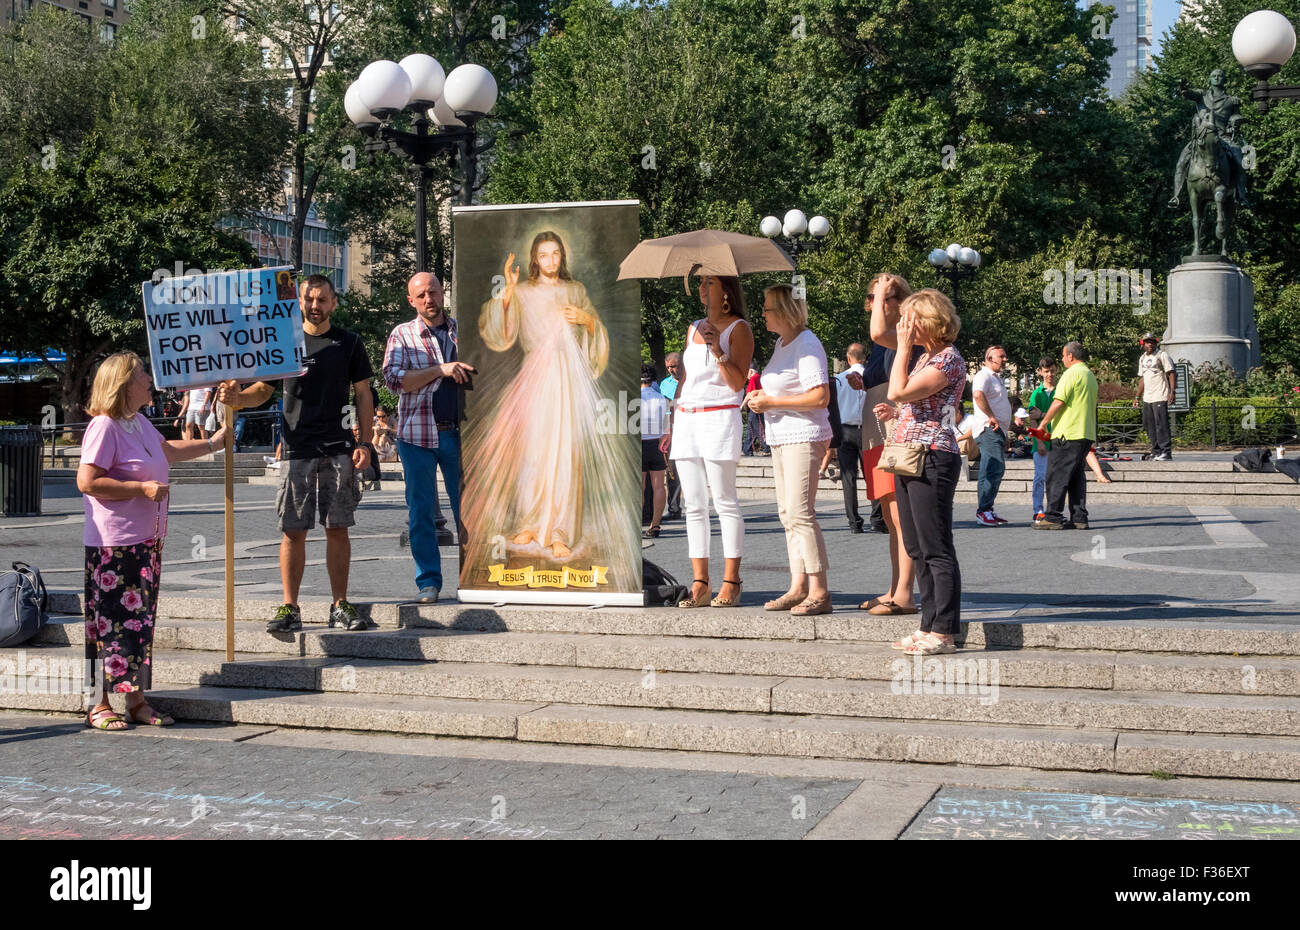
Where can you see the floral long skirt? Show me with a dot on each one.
(121, 603)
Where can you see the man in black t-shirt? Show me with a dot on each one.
(322, 459)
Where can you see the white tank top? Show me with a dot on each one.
(704, 385)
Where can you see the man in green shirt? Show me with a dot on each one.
(1039, 401)
(1074, 408)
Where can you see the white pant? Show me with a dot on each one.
(698, 477)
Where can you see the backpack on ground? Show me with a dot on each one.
(1253, 460)
(1288, 467)
(661, 589)
(23, 603)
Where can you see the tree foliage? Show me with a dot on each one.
(125, 168)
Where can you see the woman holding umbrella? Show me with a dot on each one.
(704, 433)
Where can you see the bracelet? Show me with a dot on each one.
(209, 442)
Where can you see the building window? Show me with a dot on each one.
(107, 32)
(109, 4)
(288, 96)
(266, 57)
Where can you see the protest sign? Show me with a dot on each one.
(206, 328)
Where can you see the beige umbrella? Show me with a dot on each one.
(707, 251)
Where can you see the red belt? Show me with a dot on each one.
(707, 409)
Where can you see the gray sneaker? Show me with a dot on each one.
(287, 619)
(346, 616)
(427, 595)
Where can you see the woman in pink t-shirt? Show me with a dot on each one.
(123, 475)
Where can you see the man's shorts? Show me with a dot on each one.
(194, 416)
(327, 485)
(651, 458)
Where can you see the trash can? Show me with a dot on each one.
(21, 471)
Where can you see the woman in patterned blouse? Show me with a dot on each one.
(928, 399)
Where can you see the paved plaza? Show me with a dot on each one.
(1143, 566)
(1136, 563)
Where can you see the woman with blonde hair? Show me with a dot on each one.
(703, 434)
(925, 399)
(885, 295)
(793, 399)
(123, 476)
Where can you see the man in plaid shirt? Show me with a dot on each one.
(428, 436)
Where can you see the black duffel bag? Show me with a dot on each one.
(661, 589)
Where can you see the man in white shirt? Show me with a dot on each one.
(668, 388)
(849, 454)
(992, 420)
(1158, 380)
(654, 411)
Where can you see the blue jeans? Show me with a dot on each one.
(1040, 480)
(993, 456)
(421, 466)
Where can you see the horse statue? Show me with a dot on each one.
(1211, 163)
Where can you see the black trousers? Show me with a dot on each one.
(849, 456)
(1067, 468)
(674, 505)
(925, 518)
(1155, 420)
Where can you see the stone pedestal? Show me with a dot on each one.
(1212, 314)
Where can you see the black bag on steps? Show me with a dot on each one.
(661, 589)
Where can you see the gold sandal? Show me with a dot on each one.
(820, 605)
(694, 601)
(720, 601)
(785, 602)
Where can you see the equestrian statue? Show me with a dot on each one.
(1211, 163)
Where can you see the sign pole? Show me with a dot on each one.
(229, 446)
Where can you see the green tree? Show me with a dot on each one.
(154, 140)
(668, 103)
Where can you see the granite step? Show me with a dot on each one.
(1040, 747)
(1003, 630)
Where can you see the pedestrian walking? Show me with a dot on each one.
(1158, 379)
(654, 411)
(703, 436)
(123, 475)
(420, 366)
(324, 460)
(793, 398)
(849, 455)
(925, 401)
(885, 295)
(992, 425)
(1074, 410)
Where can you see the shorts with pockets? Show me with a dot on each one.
(327, 485)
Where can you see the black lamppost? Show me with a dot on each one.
(1263, 43)
(454, 103)
(956, 263)
(797, 233)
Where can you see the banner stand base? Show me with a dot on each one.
(549, 598)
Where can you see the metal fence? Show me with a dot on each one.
(1209, 425)
(258, 425)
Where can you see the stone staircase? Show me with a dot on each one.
(1197, 699)
(1134, 483)
(209, 469)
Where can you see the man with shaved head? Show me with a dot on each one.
(420, 366)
